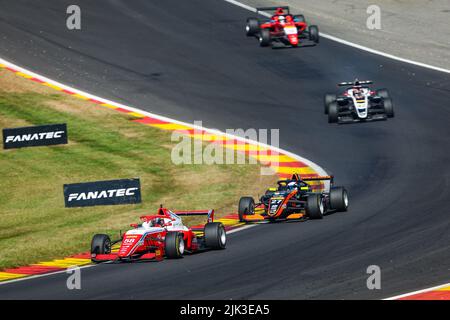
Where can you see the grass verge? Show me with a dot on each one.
(103, 145)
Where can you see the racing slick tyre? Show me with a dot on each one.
(252, 27)
(174, 245)
(299, 18)
(388, 107)
(313, 32)
(246, 207)
(101, 244)
(329, 98)
(333, 112)
(338, 199)
(215, 235)
(264, 38)
(383, 93)
(314, 206)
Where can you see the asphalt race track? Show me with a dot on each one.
(190, 60)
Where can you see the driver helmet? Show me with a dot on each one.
(358, 93)
(158, 222)
(281, 19)
(291, 186)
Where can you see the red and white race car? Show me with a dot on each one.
(283, 27)
(160, 235)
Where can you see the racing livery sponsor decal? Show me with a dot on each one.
(45, 135)
(124, 191)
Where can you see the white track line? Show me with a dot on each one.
(352, 44)
(417, 292)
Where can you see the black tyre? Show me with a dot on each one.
(174, 245)
(383, 93)
(246, 207)
(338, 198)
(333, 112)
(252, 27)
(215, 236)
(314, 206)
(329, 98)
(388, 107)
(264, 38)
(101, 244)
(299, 18)
(313, 32)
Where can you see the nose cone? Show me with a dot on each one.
(128, 244)
(293, 39)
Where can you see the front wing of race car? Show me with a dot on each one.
(260, 216)
(152, 253)
(350, 118)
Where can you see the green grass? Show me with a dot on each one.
(103, 145)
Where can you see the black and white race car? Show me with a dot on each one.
(358, 103)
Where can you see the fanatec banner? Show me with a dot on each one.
(112, 192)
(45, 135)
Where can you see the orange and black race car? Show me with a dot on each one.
(294, 199)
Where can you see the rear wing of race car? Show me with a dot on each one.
(354, 83)
(272, 9)
(209, 213)
(297, 177)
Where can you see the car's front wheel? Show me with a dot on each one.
(215, 235)
(333, 112)
(100, 244)
(246, 207)
(329, 98)
(388, 107)
(338, 199)
(264, 38)
(313, 32)
(174, 245)
(314, 206)
(252, 27)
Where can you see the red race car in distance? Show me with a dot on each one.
(160, 235)
(283, 27)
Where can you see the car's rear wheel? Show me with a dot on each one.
(338, 198)
(329, 98)
(264, 38)
(215, 235)
(174, 245)
(101, 244)
(313, 32)
(388, 107)
(246, 207)
(314, 206)
(252, 27)
(383, 93)
(333, 112)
